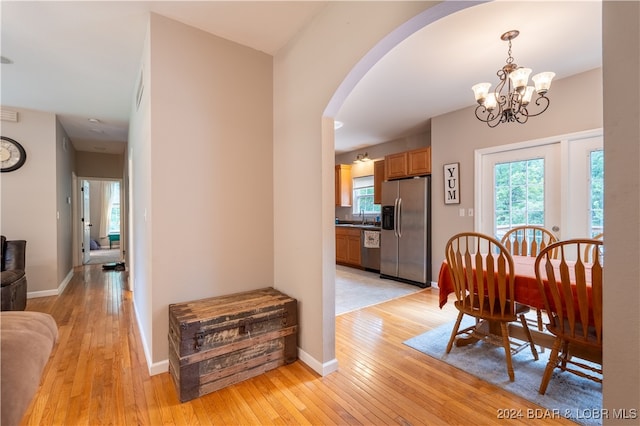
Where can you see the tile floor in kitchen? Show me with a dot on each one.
(357, 289)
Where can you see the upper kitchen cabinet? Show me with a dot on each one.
(344, 185)
(378, 178)
(416, 162)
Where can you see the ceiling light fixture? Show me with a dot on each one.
(512, 106)
(363, 158)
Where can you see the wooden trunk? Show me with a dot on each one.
(223, 340)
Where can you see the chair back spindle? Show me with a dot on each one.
(481, 273)
(527, 240)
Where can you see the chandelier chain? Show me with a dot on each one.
(509, 57)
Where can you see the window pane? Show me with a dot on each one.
(519, 194)
(114, 208)
(596, 205)
(363, 196)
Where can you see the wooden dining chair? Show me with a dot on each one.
(590, 250)
(571, 289)
(529, 240)
(482, 273)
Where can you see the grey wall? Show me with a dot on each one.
(34, 199)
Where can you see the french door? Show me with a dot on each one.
(554, 184)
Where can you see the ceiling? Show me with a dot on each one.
(80, 59)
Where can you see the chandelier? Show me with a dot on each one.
(511, 100)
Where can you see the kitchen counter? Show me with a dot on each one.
(359, 225)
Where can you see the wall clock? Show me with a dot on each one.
(12, 154)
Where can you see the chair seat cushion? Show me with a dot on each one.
(578, 331)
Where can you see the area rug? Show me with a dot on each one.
(98, 257)
(567, 395)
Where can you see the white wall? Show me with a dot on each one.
(205, 226)
(621, 68)
(139, 173)
(32, 197)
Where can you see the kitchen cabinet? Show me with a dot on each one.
(395, 165)
(348, 246)
(419, 162)
(378, 178)
(416, 162)
(344, 190)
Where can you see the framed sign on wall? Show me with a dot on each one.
(452, 183)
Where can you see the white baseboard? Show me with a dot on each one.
(158, 367)
(320, 368)
(54, 292)
(153, 368)
(323, 369)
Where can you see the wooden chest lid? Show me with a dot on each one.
(232, 304)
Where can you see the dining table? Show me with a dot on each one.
(525, 282)
(526, 292)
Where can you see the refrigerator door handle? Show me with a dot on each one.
(399, 216)
(395, 217)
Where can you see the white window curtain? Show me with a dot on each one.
(108, 193)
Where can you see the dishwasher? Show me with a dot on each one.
(370, 249)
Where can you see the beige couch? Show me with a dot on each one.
(27, 340)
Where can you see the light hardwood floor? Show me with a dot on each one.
(97, 374)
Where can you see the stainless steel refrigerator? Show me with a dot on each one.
(405, 239)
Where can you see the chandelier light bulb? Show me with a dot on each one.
(480, 90)
(542, 81)
(528, 94)
(491, 101)
(520, 78)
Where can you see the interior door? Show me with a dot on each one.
(86, 223)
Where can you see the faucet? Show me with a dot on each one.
(362, 215)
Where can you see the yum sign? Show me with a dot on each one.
(452, 183)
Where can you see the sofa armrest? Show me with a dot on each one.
(14, 255)
(9, 277)
(27, 340)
